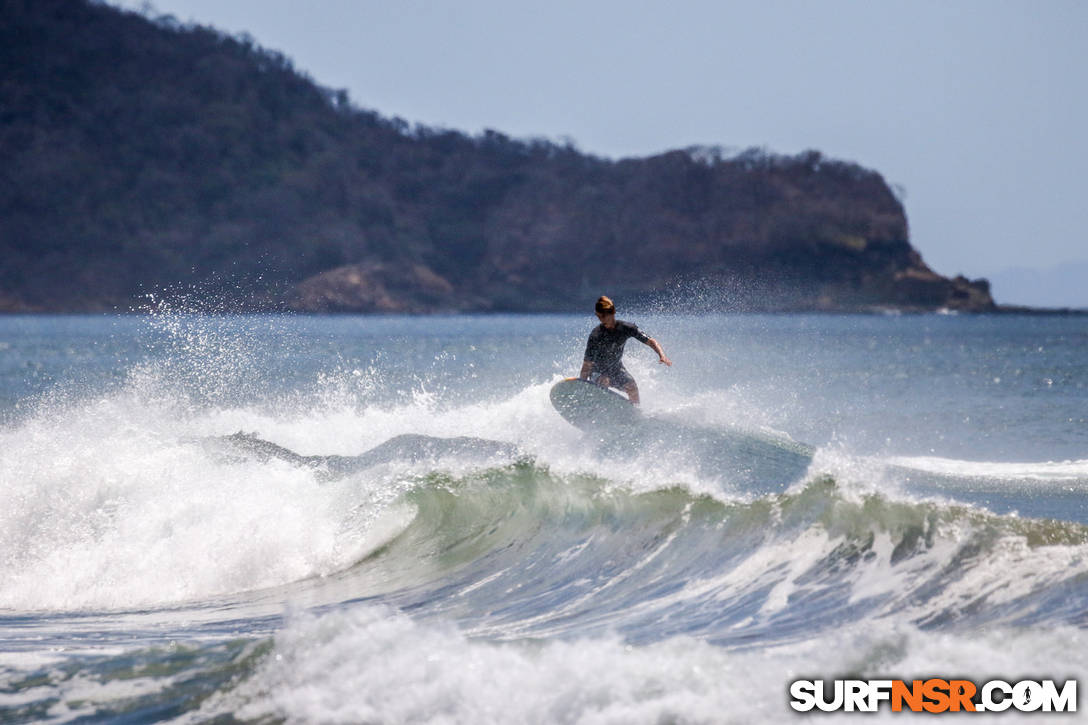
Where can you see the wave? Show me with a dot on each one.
(1044, 471)
(1048, 489)
(503, 516)
(133, 497)
(462, 568)
(367, 663)
(404, 448)
(520, 552)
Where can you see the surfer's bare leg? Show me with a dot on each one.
(604, 381)
(632, 392)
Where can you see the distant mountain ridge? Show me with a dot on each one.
(140, 156)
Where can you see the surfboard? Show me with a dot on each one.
(588, 406)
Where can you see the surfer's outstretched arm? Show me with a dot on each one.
(656, 346)
(587, 368)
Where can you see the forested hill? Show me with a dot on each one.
(140, 155)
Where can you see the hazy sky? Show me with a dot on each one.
(978, 109)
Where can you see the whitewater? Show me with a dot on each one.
(382, 519)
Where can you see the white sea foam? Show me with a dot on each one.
(1055, 471)
(369, 664)
(111, 505)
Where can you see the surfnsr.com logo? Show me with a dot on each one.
(933, 695)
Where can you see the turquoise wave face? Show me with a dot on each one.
(519, 551)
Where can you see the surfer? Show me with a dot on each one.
(604, 350)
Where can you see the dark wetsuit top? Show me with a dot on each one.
(605, 350)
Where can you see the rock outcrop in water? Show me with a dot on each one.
(142, 155)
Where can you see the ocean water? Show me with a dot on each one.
(383, 520)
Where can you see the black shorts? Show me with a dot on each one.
(617, 377)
